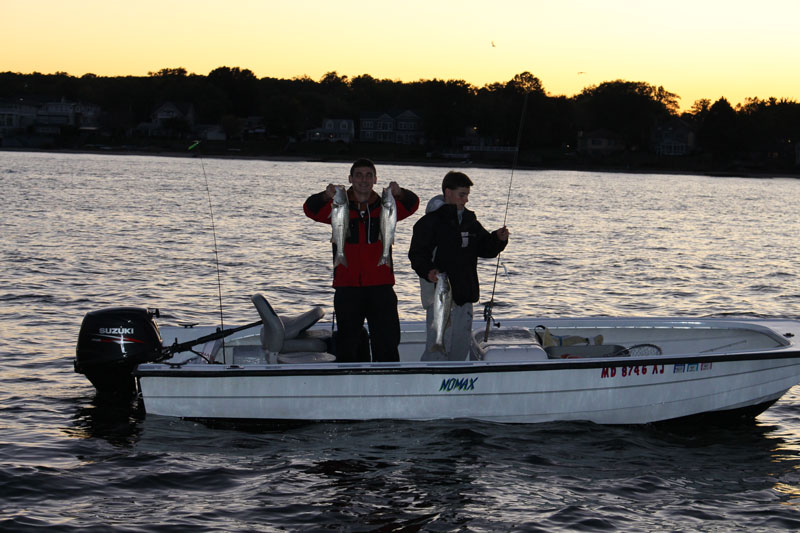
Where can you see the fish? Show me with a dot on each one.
(388, 224)
(340, 221)
(442, 303)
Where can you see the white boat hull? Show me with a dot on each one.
(735, 365)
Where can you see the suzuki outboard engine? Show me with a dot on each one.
(112, 342)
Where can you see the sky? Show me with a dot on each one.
(695, 49)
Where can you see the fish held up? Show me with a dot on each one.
(340, 220)
(388, 224)
(442, 304)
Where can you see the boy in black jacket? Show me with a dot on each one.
(450, 239)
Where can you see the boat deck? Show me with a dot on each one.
(569, 338)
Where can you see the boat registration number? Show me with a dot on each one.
(643, 370)
(627, 371)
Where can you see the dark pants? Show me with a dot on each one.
(376, 304)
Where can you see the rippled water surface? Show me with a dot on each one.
(82, 232)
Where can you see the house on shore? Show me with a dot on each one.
(170, 119)
(29, 123)
(333, 130)
(53, 117)
(600, 143)
(16, 116)
(673, 138)
(398, 127)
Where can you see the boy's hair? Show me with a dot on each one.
(363, 162)
(454, 180)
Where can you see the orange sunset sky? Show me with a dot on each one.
(696, 49)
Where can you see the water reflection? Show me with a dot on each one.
(116, 421)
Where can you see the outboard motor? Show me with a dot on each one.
(112, 342)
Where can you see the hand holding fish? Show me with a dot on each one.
(330, 190)
(395, 188)
(433, 274)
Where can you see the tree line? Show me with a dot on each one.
(756, 130)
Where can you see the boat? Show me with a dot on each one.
(606, 370)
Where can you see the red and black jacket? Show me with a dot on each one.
(363, 247)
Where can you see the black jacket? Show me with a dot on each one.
(457, 248)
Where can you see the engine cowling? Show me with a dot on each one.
(112, 342)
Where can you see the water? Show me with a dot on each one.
(83, 232)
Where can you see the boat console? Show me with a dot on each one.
(507, 344)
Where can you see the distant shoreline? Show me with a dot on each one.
(443, 163)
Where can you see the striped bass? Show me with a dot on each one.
(388, 224)
(340, 221)
(442, 303)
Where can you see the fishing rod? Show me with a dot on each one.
(487, 309)
(214, 234)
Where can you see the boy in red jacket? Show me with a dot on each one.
(363, 288)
